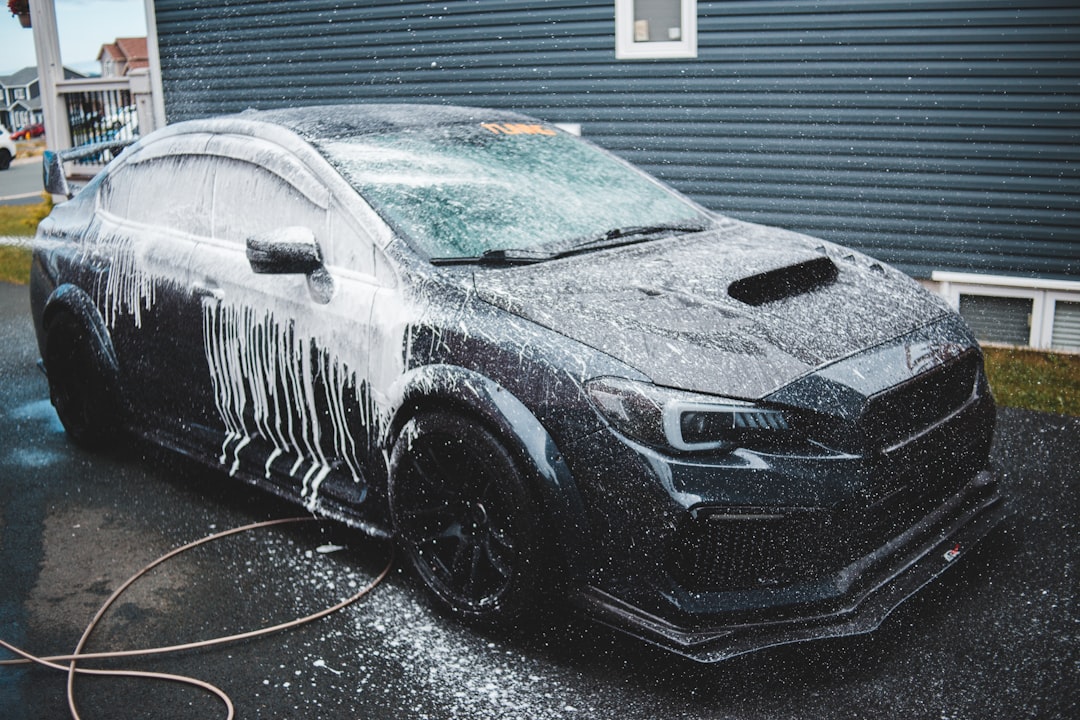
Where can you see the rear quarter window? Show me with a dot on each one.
(173, 192)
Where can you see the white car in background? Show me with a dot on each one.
(7, 148)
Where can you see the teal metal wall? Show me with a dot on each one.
(934, 134)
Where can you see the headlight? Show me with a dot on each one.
(681, 420)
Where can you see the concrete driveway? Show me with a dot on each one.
(996, 637)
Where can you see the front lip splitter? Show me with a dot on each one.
(867, 590)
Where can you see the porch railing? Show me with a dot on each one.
(103, 110)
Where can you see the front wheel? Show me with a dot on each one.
(81, 388)
(463, 516)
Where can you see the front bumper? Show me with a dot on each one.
(862, 594)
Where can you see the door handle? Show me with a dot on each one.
(207, 291)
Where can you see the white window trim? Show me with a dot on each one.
(627, 49)
(1044, 296)
(157, 89)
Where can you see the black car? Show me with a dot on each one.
(538, 368)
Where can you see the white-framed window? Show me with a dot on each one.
(647, 29)
(1043, 314)
(1062, 329)
(1001, 315)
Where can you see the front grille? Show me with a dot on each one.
(906, 473)
(891, 417)
(724, 550)
(745, 550)
(905, 410)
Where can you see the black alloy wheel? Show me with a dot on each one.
(463, 516)
(81, 388)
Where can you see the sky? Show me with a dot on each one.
(84, 26)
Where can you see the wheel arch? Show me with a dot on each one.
(465, 391)
(74, 300)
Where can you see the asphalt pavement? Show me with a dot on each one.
(21, 183)
(995, 637)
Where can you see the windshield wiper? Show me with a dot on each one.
(499, 256)
(611, 238)
(629, 235)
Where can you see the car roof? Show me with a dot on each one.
(332, 122)
(303, 130)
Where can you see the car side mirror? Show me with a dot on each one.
(53, 177)
(291, 251)
(284, 251)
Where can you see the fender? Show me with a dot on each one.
(454, 386)
(73, 299)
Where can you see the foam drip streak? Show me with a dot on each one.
(266, 382)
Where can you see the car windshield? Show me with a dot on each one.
(460, 191)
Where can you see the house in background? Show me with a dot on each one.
(942, 136)
(20, 97)
(120, 57)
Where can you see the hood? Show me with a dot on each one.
(666, 308)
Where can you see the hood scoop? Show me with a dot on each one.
(784, 282)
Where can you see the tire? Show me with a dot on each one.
(81, 386)
(5, 159)
(463, 516)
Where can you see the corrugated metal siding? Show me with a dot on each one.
(934, 134)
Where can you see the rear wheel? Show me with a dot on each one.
(5, 159)
(81, 387)
(463, 516)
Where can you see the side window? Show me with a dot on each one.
(249, 199)
(655, 29)
(115, 193)
(174, 192)
(347, 246)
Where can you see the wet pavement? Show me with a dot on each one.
(995, 637)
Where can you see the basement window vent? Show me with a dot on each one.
(1034, 312)
(1066, 332)
(1003, 320)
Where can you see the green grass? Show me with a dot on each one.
(14, 264)
(1049, 382)
(1034, 380)
(22, 220)
(19, 221)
